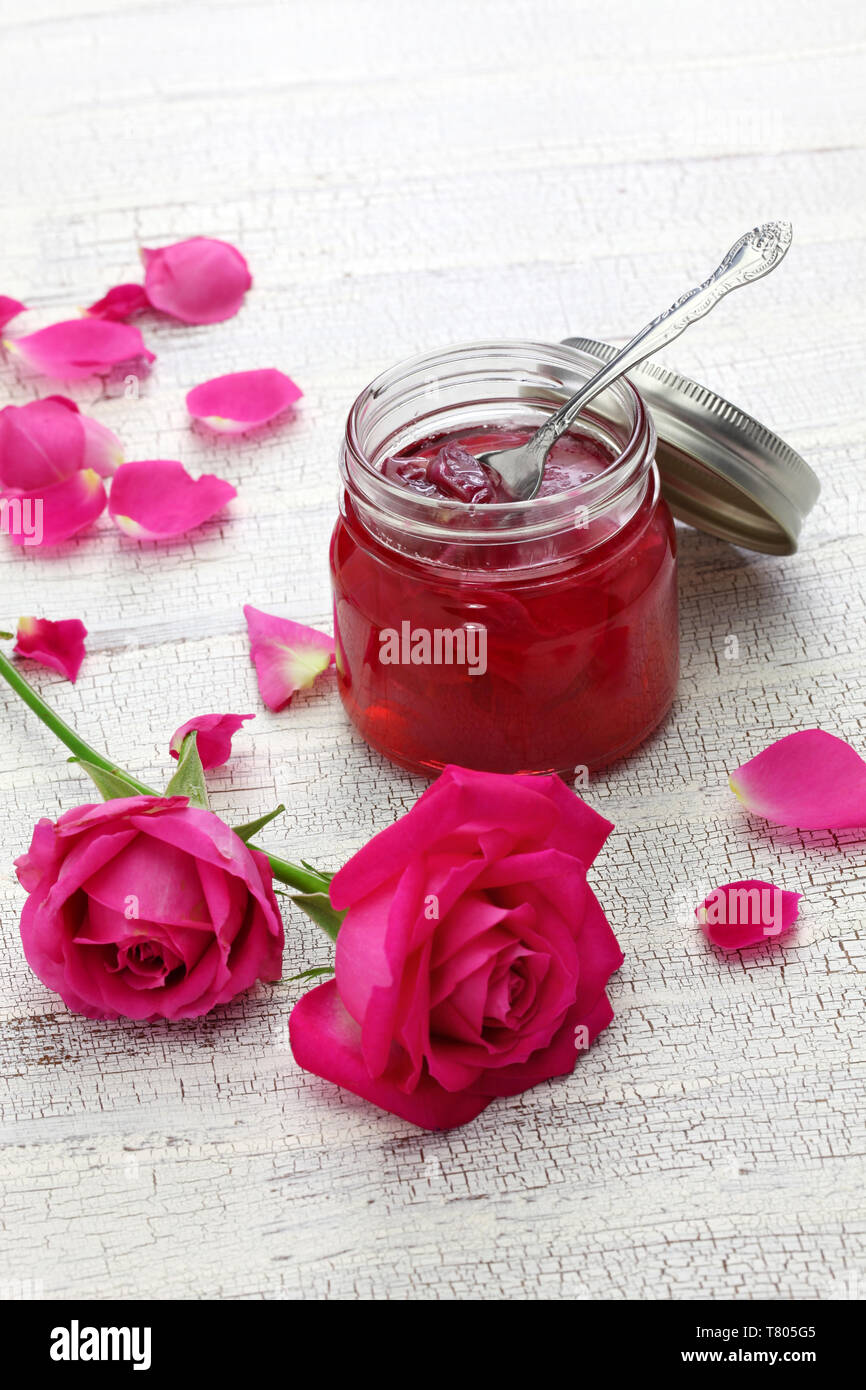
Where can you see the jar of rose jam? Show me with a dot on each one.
(509, 636)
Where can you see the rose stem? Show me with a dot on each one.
(283, 870)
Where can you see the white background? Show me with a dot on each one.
(402, 176)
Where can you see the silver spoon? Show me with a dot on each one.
(754, 255)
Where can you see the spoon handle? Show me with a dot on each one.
(754, 255)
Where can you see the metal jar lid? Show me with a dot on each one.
(721, 470)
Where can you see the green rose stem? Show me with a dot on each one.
(307, 881)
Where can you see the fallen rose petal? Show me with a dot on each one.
(214, 737)
(59, 645)
(810, 779)
(41, 443)
(48, 515)
(156, 498)
(103, 451)
(242, 400)
(9, 310)
(45, 441)
(81, 347)
(746, 912)
(200, 280)
(287, 656)
(120, 303)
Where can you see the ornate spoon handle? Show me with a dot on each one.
(754, 255)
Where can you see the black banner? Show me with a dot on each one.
(192, 1341)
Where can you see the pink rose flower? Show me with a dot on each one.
(147, 907)
(473, 958)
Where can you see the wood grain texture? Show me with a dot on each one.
(401, 175)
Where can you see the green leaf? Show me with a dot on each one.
(326, 874)
(188, 780)
(111, 785)
(318, 906)
(7, 636)
(310, 974)
(253, 827)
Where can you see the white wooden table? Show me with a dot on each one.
(400, 176)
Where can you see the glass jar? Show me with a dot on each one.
(532, 636)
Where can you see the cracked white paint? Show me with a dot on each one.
(401, 176)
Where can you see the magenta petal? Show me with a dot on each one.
(287, 655)
(59, 645)
(214, 741)
(103, 451)
(327, 1041)
(120, 303)
(9, 310)
(197, 281)
(240, 401)
(81, 347)
(41, 443)
(157, 498)
(53, 514)
(746, 912)
(810, 779)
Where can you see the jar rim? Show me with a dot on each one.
(431, 516)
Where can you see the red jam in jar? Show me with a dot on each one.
(510, 636)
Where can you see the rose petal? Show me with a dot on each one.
(214, 741)
(460, 795)
(103, 451)
(120, 303)
(157, 498)
(45, 441)
(201, 280)
(287, 656)
(59, 645)
(746, 912)
(559, 1059)
(41, 443)
(810, 779)
(48, 515)
(81, 347)
(327, 1041)
(9, 310)
(242, 400)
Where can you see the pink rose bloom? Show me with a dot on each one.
(473, 958)
(147, 907)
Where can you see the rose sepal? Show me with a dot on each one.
(319, 907)
(111, 783)
(253, 827)
(188, 779)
